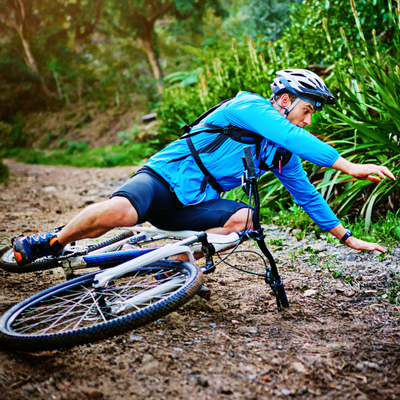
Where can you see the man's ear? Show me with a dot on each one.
(285, 100)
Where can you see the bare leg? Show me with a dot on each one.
(238, 221)
(99, 218)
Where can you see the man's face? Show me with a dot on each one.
(301, 114)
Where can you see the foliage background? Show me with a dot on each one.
(86, 61)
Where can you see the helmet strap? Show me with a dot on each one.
(287, 109)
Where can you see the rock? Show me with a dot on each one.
(149, 368)
(219, 304)
(371, 365)
(49, 189)
(198, 303)
(299, 367)
(248, 329)
(149, 117)
(360, 366)
(286, 392)
(147, 358)
(175, 320)
(226, 390)
(319, 248)
(93, 393)
(302, 391)
(310, 292)
(202, 381)
(133, 337)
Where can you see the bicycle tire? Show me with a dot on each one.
(282, 296)
(44, 320)
(9, 264)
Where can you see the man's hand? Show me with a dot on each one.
(366, 172)
(363, 171)
(358, 244)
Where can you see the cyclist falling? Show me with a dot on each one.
(179, 187)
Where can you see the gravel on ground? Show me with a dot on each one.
(338, 340)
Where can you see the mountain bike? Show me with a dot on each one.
(133, 286)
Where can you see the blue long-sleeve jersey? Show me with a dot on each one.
(251, 112)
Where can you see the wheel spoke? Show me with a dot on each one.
(83, 306)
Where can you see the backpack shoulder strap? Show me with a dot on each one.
(187, 128)
(208, 178)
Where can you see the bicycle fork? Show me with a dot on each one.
(272, 277)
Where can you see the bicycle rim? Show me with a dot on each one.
(74, 312)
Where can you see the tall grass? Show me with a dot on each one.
(365, 128)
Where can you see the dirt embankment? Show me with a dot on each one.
(338, 340)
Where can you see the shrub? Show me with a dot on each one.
(244, 65)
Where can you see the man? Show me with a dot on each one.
(179, 187)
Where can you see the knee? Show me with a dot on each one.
(118, 211)
(239, 221)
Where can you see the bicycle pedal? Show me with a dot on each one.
(208, 269)
(204, 293)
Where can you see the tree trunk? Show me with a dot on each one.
(154, 62)
(31, 63)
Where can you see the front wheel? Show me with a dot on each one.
(74, 312)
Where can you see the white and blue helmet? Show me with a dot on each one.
(306, 85)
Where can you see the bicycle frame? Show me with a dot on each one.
(110, 253)
(219, 243)
(190, 242)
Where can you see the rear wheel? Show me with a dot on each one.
(9, 263)
(74, 312)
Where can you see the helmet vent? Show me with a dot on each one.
(308, 86)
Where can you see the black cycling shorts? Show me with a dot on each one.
(155, 202)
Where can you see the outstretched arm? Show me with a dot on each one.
(363, 171)
(295, 180)
(357, 244)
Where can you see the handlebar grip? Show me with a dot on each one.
(248, 154)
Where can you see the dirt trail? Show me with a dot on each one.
(338, 340)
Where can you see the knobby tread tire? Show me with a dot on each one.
(25, 342)
(8, 263)
(123, 235)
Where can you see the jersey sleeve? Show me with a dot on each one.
(295, 180)
(255, 113)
